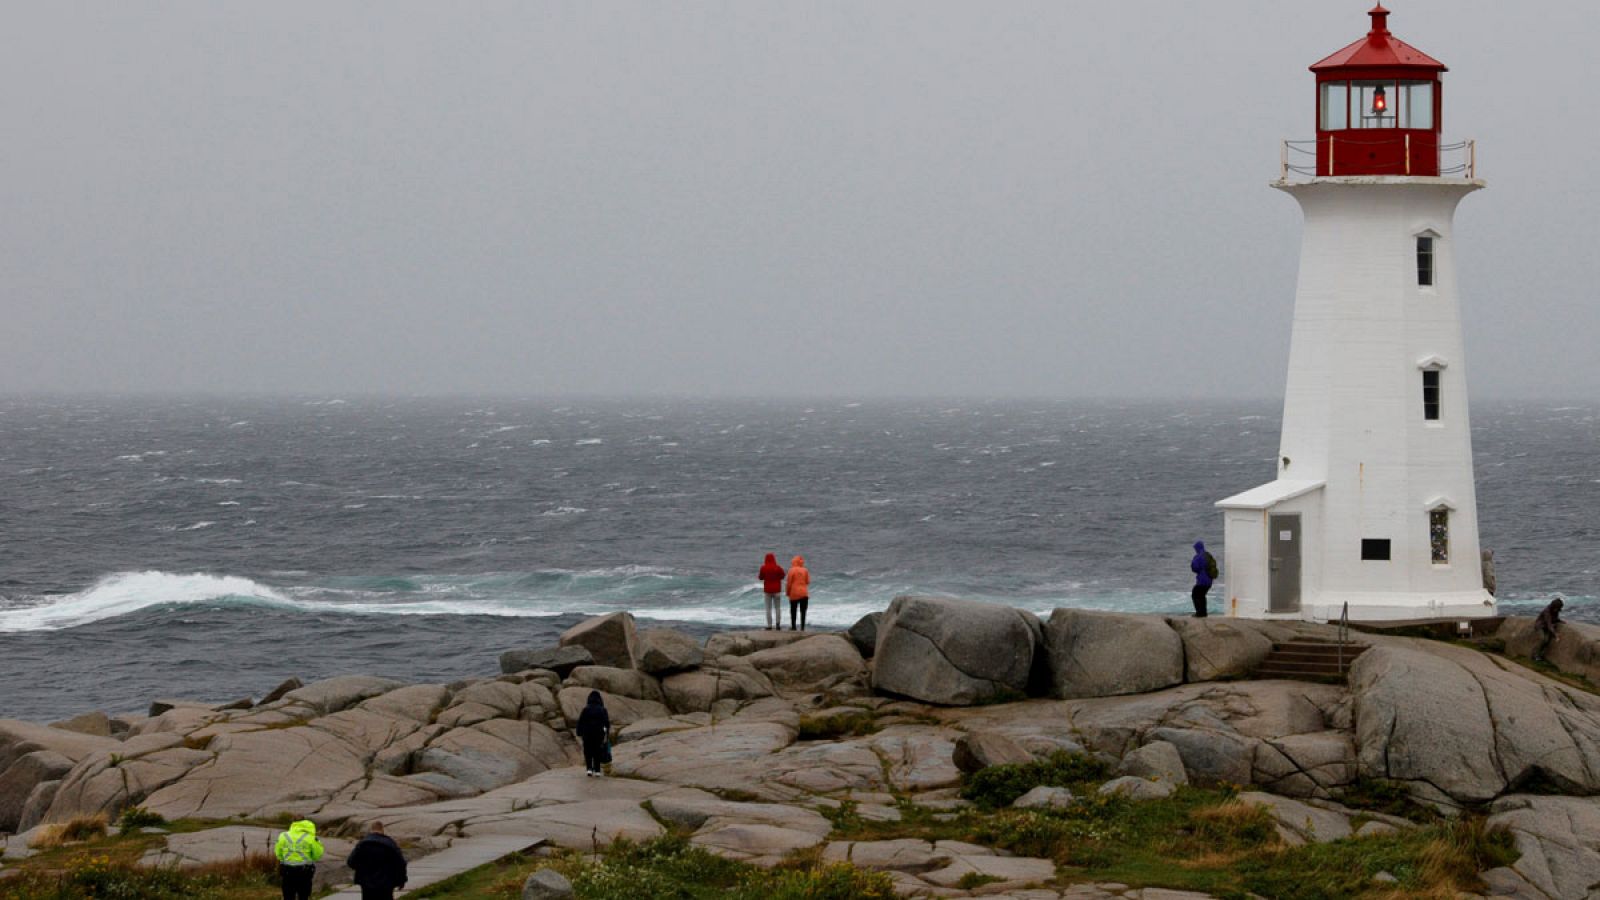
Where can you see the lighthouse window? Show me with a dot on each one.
(1416, 107)
(1375, 549)
(1335, 106)
(1439, 534)
(1430, 394)
(1425, 261)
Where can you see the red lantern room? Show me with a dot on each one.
(1378, 107)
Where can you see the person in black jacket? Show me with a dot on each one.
(379, 866)
(594, 729)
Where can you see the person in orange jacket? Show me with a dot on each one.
(771, 576)
(799, 589)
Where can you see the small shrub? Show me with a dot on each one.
(998, 786)
(1234, 823)
(137, 817)
(74, 830)
(1387, 797)
(976, 880)
(846, 817)
(840, 881)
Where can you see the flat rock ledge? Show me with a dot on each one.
(709, 741)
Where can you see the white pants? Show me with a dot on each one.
(774, 610)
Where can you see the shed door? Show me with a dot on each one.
(1283, 563)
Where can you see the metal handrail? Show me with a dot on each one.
(1344, 633)
(1458, 159)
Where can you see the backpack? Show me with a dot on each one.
(1211, 566)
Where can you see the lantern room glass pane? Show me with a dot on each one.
(1335, 106)
(1374, 104)
(1417, 109)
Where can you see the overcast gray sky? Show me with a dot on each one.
(1043, 199)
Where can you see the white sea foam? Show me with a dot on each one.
(129, 592)
(197, 526)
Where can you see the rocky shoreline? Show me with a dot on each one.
(722, 739)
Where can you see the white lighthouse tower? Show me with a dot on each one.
(1373, 509)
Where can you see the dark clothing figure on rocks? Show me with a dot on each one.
(1204, 567)
(799, 588)
(771, 576)
(1547, 623)
(379, 865)
(594, 730)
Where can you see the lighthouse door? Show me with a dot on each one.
(1283, 563)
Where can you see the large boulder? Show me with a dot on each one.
(559, 660)
(334, 694)
(617, 682)
(820, 661)
(1460, 726)
(1101, 654)
(1157, 761)
(612, 639)
(95, 723)
(32, 754)
(864, 633)
(696, 691)
(953, 652)
(663, 650)
(1559, 842)
(18, 781)
(1219, 648)
(1575, 649)
(977, 751)
(744, 643)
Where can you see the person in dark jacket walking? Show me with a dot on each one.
(1204, 567)
(771, 576)
(1547, 623)
(594, 730)
(379, 865)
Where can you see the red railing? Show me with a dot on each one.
(1301, 160)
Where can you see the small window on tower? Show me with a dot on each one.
(1430, 394)
(1425, 260)
(1335, 105)
(1439, 534)
(1375, 549)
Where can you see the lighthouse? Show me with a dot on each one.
(1373, 511)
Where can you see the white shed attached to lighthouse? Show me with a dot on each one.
(1373, 510)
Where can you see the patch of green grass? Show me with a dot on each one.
(976, 880)
(1000, 786)
(670, 868)
(838, 725)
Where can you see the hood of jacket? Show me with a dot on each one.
(596, 700)
(305, 827)
(1199, 546)
(771, 560)
(798, 561)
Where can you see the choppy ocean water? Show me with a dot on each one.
(212, 547)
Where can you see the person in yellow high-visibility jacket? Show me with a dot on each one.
(298, 851)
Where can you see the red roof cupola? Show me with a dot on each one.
(1379, 107)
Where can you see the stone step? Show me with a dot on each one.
(462, 856)
(1309, 660)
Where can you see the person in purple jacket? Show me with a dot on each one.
(1204, 567)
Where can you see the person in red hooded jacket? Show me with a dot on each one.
(771, 576)
(799, 588)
